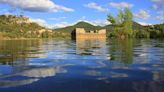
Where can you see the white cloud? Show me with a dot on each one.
(44, 23)
(98, 22)
(36, 5)
(142, 14)
(65, 24)
(101, 22)
(121, 5)
(160, 17)
(83, 18)
(160, 12)
(158, 5)
(57, 19)
(144, 23)
(95, 6)
(61, 25)
(41, 22)
(5, 12)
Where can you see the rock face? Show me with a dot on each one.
(80, 33)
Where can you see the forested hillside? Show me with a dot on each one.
(20, 27)
(152, 31)
(12, 26)
(81, 24)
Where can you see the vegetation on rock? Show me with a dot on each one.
(12, 26)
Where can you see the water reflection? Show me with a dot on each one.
(122, 50)
(91, 47)
(29, 75)
(12, 51)
(93, 65)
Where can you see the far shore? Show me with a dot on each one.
(32, 38)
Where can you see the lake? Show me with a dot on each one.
(53, 65)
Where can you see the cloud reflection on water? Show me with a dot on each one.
(115, 63)
(32, 75)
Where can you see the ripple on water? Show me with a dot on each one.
(115, 65)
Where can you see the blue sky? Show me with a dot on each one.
(60, 13)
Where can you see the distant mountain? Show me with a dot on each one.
(108, 27)
(88, 26)
(137, 26)
(85, 25)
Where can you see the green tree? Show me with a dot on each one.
(123, 23)
(128, 21)
(111, 19)
(120, 17)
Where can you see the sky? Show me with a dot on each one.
(61, 13)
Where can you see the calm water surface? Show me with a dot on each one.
(83, 66)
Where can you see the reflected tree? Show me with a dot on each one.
(17, 50)
(122, 50)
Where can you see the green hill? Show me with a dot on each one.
(88, 26)
(12, 23)
(137, 26)
(12, 26)
(153, 31)
(82, 24)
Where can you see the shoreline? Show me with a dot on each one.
(33, 38)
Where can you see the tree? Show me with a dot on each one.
(128, 21)
(111, 19)
(120, 17)
(123, 23)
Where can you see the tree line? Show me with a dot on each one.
(124, 27)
